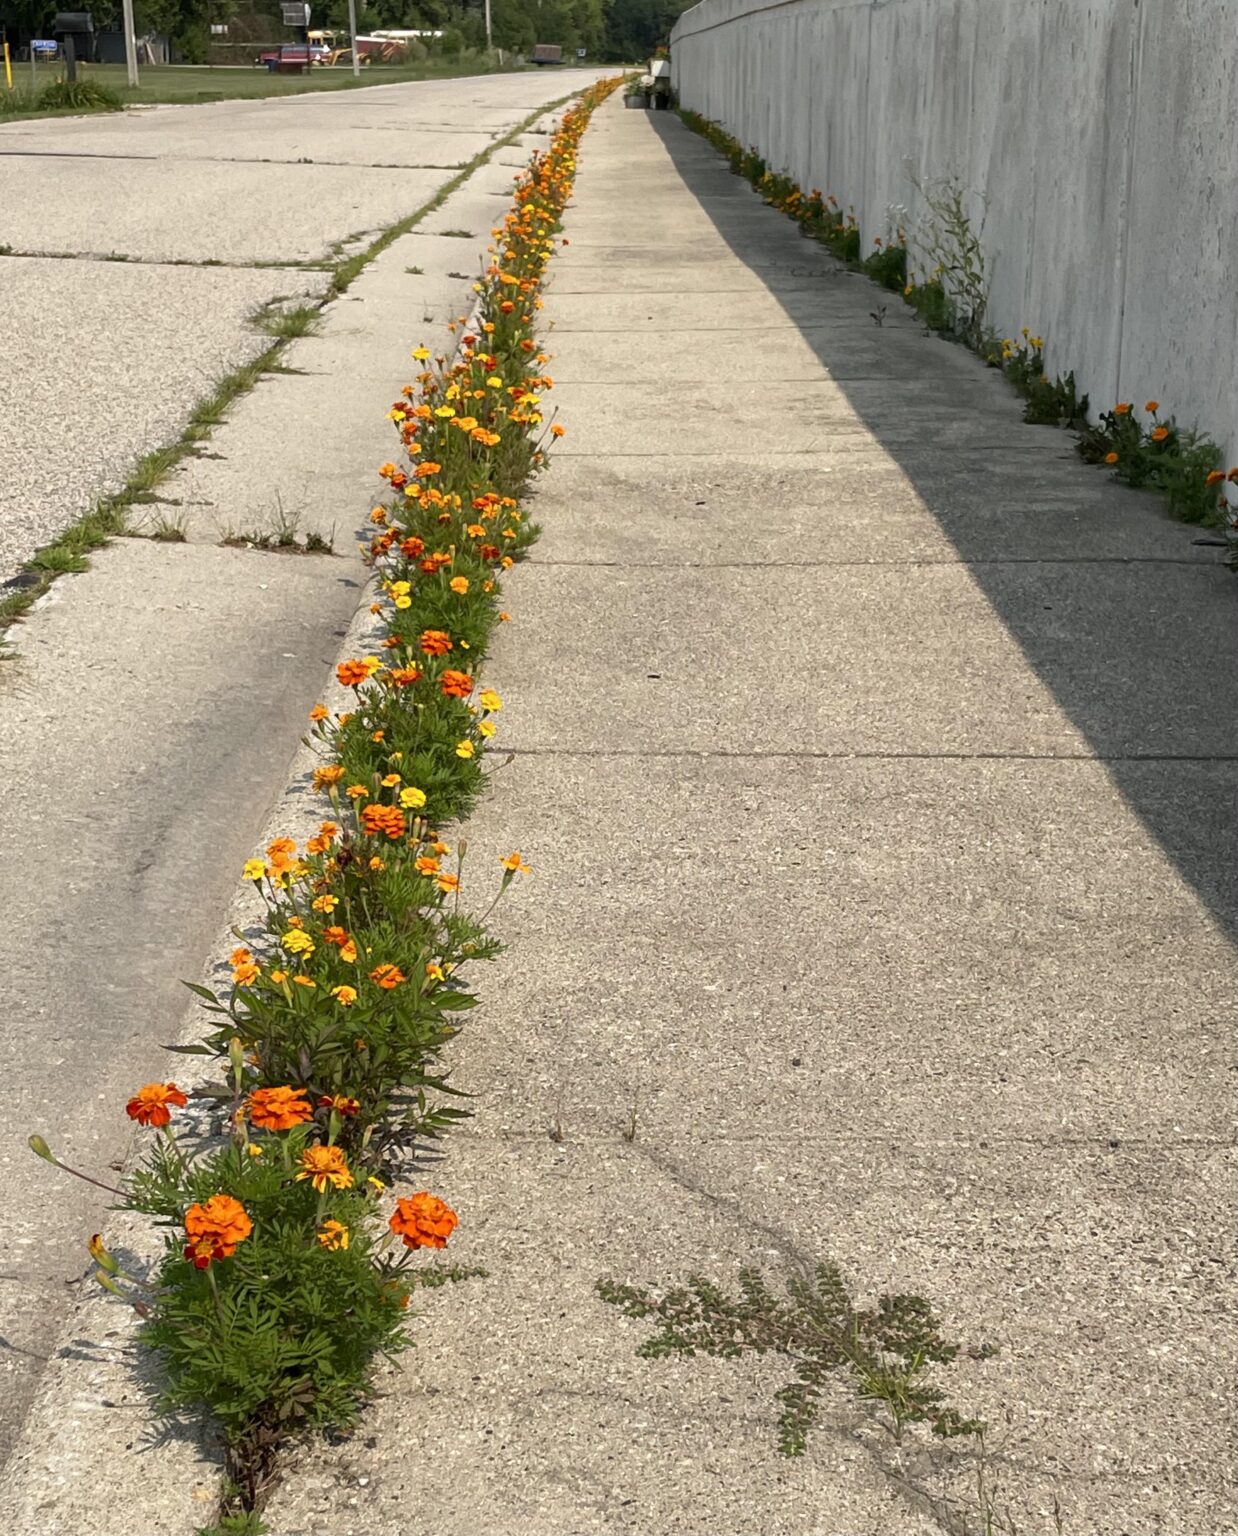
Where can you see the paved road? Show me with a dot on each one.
(876, 760)
(101, 360)
(148, 723)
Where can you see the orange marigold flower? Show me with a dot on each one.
(427, 469)
(357, 792)
(456, 685)
(1111, 458)
(332, 773)
(245, 973)
(459, 585)
(354, 672)
(388, 819)
(435, 642)
(1153, 406)
(325, 1168)
(344, 996)
(214, 1229)
(278, 1109)
(423, 1221)
(335, 934)
(1122, 410)
(557, 430)
(426, 866)
(405, 677)
(388, 977)
(1160, 434)
(514, 864)
(340, 1103)
(333, 1235)
(152, 1104)
(282, 852)
(1217, 477)
(319, 712)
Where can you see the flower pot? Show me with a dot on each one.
(634, 101)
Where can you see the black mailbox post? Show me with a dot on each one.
(75, 32)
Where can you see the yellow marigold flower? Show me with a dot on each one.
(514, 864)
(486, 728)
(489, 700)
(465, 749)
(325, 903)
(297, 943)
(412, 799)
(254, 869)
(357, 792)
(459, 585)
(344, 996)
(390, 780)
(421, 353)
(325, 1168)
(333, 1235)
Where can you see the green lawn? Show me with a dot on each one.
(191, 83)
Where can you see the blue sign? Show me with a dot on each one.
(42, 45)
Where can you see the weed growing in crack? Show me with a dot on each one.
(288, 324)
(885, 1354)
(169, 528)
(952, 252)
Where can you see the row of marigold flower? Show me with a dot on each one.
(1159, 454)
(285, 1271)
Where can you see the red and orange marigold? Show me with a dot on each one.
(456, 685)
(214, 1229)
(153, 1103)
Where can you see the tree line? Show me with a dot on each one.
(624, 31)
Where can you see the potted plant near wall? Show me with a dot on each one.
(637, 90)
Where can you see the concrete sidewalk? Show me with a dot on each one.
(154, 705)
(876, 760)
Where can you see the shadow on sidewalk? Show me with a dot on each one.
(1135, 636)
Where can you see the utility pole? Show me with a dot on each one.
(352, 35)
(131, 43)
(489, 36)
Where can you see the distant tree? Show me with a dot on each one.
(634, 28)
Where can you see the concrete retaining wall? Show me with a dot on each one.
(1101, 135)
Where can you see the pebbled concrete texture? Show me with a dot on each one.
(135, 343)
(151, 714)
(877, 778)
(98, 334)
